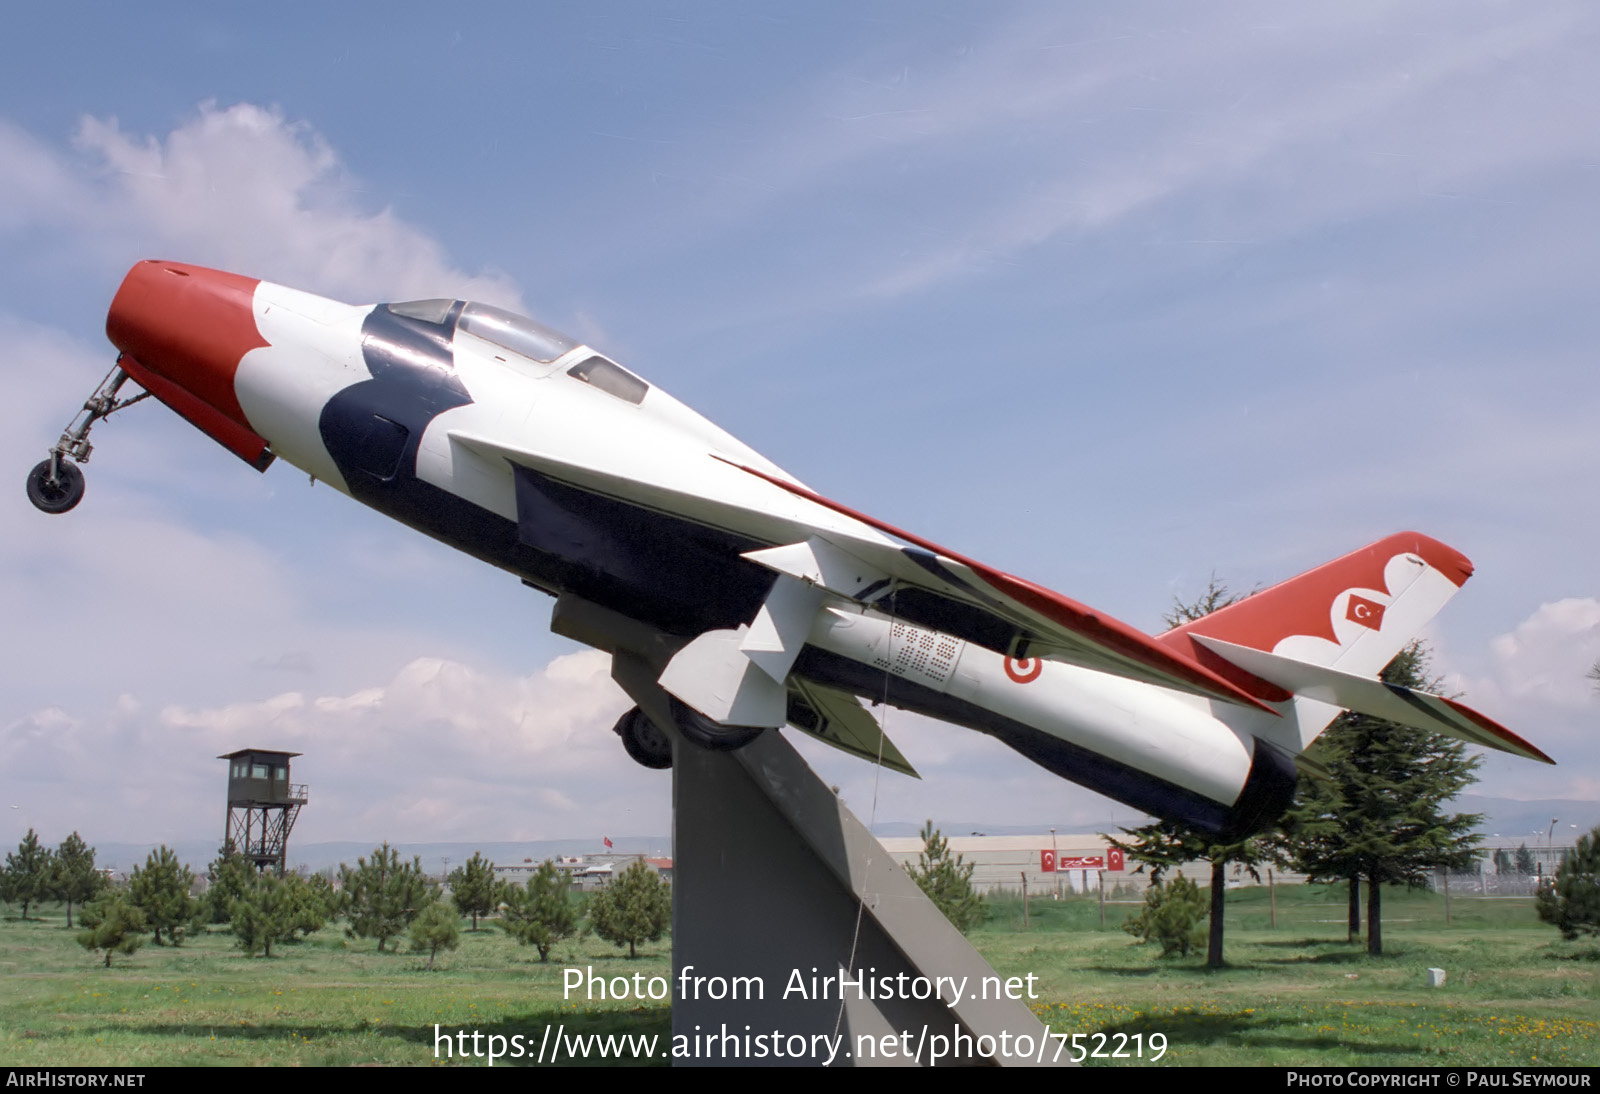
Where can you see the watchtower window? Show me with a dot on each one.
(259, 771)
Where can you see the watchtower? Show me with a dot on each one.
(262, 805)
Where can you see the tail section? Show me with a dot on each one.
(1315, 644)
(1354, 613)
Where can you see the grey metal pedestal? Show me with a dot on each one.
(775, 885)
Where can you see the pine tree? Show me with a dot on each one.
(1571, 902)
(1380, 817)
(541, 913)
(637, 907)
(472, 887)
(947, 881)
(437, 928)
(1170, 916)
(1168, 844)
(28, 872)
(74, 878)
(161, 890)
(112, 923)
(266, 913)
(383, 896)
(1525, 863)
(230, 876)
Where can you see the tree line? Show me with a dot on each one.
(382, 898)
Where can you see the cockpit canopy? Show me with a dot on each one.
(508, 330)
(526, 338)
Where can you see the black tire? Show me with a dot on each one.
(702, 732)
(58, 493)
(644, 740)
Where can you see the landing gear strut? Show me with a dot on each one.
(55, 485)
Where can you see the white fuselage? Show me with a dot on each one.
(683, 468)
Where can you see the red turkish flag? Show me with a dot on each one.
(1047, 862)
(1114, 859)
(1369, 613)
(607, 840)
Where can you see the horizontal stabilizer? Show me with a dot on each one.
(838, 718)
(1364, 695)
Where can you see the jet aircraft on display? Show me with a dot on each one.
(736, 600)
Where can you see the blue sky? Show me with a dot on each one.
(1114, 297)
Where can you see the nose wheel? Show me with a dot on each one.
(56, 485)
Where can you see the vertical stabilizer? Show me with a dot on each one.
(1353, 614)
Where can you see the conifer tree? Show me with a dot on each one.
(637, 907)
(113, 923)
(1168, 844)
(74, 878)
(230, 876)
(266, 913)
(540, 914)
(383, 896)
(161, 890)
(437, 928)
(1170, 916)
(472, 887)
(28, 872)
(947, 881)
(1381, 816)
(1571, 902)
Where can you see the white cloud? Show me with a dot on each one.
(440, 751)
(1549, 655)
(240, 188)
(149, 589)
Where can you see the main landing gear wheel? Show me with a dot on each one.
(55, 485)
(702, 732)
(644, 740)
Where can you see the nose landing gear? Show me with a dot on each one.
(55, 485)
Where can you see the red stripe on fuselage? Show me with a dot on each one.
(1110, 633)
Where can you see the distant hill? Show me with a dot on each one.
(1515, 821)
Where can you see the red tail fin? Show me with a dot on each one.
(1355, 612)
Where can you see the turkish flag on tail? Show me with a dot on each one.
(1369, 613)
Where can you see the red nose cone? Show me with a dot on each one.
(188, 325)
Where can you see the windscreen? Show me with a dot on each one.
(514, 332)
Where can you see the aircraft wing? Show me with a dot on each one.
(923, 583)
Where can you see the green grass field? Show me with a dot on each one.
(1294, 994)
